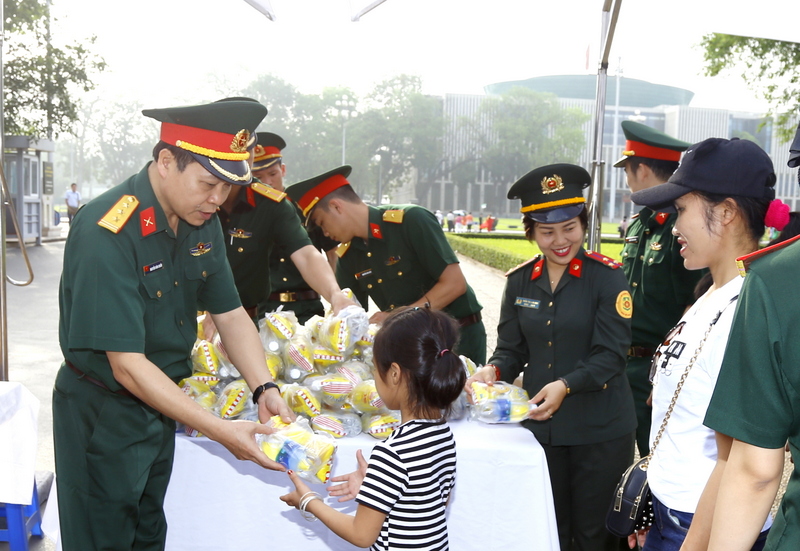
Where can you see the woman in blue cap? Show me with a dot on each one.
(565, 323)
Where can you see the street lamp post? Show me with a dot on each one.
(347, 109)
(379, 157)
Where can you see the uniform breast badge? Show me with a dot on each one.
(527, 303)
(655, 246)
(392, 260)
(200, 249)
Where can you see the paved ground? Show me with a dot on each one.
(34, 354)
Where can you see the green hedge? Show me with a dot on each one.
(496, 258)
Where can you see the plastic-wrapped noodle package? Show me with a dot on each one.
(206, 378)
(274, 364)
(226, 369)
(368, 337)
(324, 358)
(380, 425)
(206, 357)
(499, 403)
(337, 424)
(334, 389)
(341, 332)
(301, 400)
(200, 392)
(459, 408)
(353, 371)
(298, 358)
(233, 399)
(365, 398)
(297, 447)
(283, 324)
(469, 366)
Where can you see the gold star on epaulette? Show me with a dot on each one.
(395, 216)
(119, 214)
(269, 192)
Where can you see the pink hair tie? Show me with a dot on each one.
(777, 215)
(443, 351)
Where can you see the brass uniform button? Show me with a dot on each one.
(548, 322)
(283, 260)
(240, 249)
(369, 255)
(176, 283)
(158, 293)
(369, 285)
(205, 274)
(550, 305)
(634, 284)
(400, 273)
(380, 281)
(285, 279)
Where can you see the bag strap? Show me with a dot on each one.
(683, 379)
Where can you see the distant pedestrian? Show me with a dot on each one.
(451, 220)
(72, 198)
(468, 221)
(459, 223)
(623, 227)
(439, 216)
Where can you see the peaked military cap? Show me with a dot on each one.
(644, 141)
(268, 150)
(552, 193)
(217, 134)
(733, 167)
(307, 194)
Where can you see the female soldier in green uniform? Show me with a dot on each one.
(565, 323)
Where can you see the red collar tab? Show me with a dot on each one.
(147, 221)
(375, 231)
(209, 143)
(661, 217)
(251, 197)
(639, 149)
(575, 267)
(538, 268)
(312, 196)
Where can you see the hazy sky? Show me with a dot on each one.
(172, 52)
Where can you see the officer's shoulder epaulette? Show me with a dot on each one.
(743, 262)
(119, 214)
(342, 248)
(520, 266)
(268, 192)
(395, 216)
(603, 259)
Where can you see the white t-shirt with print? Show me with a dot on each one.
(687, 451)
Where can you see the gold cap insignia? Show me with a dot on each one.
(551, 184)
(240, 140)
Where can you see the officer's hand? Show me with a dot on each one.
(339, 302)
(240, 439)
(549, 401)
(272, 403)
(378, 317)
(486, 374)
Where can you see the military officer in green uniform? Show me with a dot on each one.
(396, 255)
(661, 287)
(256, 218)
(565, 322)
(139, 262)
(288, 289)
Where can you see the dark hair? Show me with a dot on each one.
(753, 210)
(791, 229)
(529, 223)
(421, 342)
(345, 193)
(182, 157)
(662, 169)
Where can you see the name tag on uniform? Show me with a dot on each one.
(632, 239)
(153, 267)
(527, 302)
(365, 273)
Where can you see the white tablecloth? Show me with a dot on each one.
(502, 498)
(19, 413)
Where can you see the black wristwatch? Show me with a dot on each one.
(260, 389)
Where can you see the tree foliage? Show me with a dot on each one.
(769, 67)
(41, 79)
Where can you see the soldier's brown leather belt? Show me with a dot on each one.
(469, 320)
(294, 296)
(101, 384)
(641, 352)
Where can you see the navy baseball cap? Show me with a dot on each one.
(727, 167)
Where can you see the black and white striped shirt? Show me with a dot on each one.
(410, 477)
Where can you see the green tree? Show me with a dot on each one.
(769, 67)
(41, 79)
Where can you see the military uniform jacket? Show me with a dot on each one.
(403, 258)
(251, 229)
(756, 397)
(283, 274)
(581, 333)
(660, 285)
(138, 290)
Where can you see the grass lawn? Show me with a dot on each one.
(515, 224)
(525, 249)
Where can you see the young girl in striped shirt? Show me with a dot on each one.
(402, 493)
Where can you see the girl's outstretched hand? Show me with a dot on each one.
(351, 483)
(300, 489)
